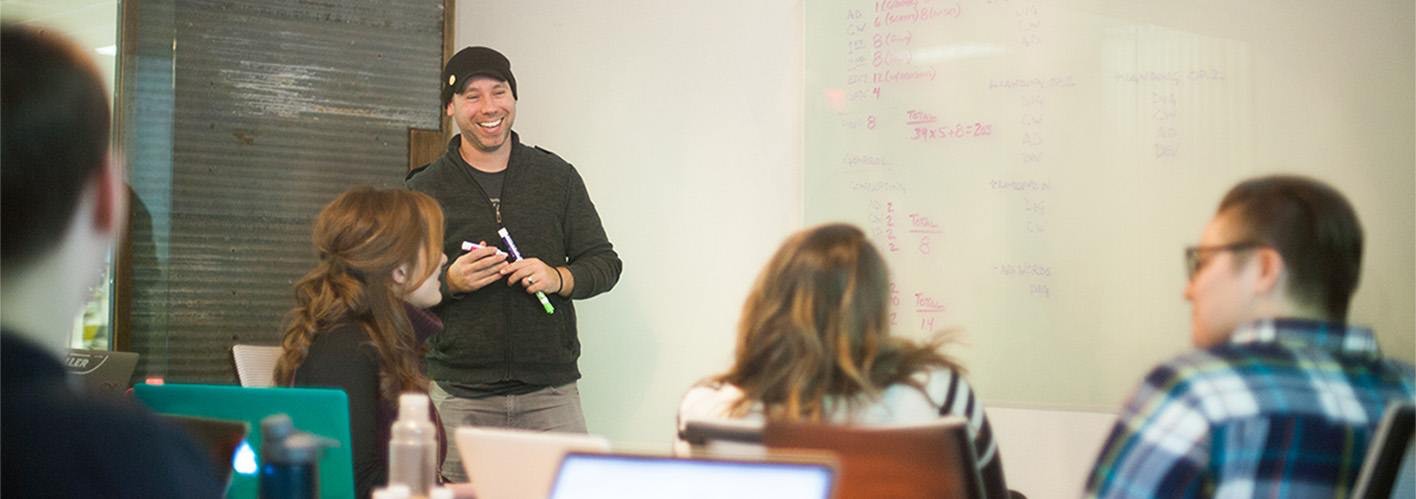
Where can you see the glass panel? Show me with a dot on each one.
(93, 327)
(146, 103)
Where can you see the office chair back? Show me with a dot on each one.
(931, 460)
(255, 364)
(1389, 466)
(722, 437)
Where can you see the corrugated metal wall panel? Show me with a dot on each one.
(279, 106)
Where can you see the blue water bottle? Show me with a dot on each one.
(289, 460)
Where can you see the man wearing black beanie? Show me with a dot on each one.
(504, 359)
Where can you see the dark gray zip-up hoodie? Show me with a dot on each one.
(500, 332)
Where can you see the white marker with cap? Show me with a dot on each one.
(471, 246)
(540, 296)
(511, 245)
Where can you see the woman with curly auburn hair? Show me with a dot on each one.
(358, 322)
(814, 345)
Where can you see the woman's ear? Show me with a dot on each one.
(400, 274)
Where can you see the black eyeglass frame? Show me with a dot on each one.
(1193, 254)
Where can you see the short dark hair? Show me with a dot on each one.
(55, 133)
(1312, 226)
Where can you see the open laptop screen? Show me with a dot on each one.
(103, 372)
(596, 476)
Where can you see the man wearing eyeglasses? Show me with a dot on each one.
(1282, 395)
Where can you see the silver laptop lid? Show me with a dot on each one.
(597, 476)
(517, 464)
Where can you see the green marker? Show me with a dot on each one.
(545, 303)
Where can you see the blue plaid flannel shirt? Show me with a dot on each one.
(1283, 409)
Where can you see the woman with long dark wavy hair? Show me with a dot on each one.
(814, 345)
(358, 322)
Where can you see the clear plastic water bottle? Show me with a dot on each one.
(396, 491)
(289, 460)
(413, 446)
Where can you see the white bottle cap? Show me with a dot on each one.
(440, 493)
(413, 407)
(394, 491)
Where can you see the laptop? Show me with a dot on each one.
(321, 411)
(625, 476)
(101, 371)
(510, 464)
(220, 439)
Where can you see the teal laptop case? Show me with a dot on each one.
(321, 411)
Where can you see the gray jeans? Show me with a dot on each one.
(555, 408)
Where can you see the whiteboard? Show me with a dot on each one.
(1033, 170)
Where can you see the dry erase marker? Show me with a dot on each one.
(516, 254)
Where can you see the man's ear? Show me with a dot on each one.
(110, 195)
(1271, 268)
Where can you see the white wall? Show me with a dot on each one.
(689, 140)
(1048, 454)
(690, 143)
